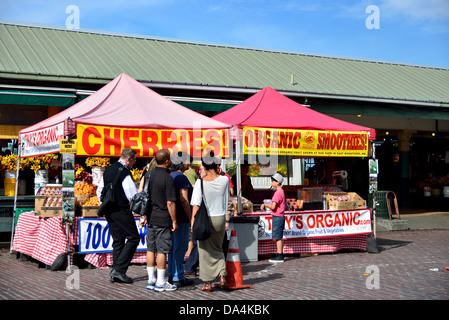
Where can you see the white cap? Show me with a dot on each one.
(278, 177)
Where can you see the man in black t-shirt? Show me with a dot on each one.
(162, 222)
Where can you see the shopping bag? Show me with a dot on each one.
(141, 202)
(201, 229)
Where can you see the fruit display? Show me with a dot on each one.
(50, 191)
(90, 202)
(84, 188)
(344, 200)
(340, 198)
(53, 202)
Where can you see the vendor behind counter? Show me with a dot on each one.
(247, 187)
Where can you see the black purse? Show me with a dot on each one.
(201, 229)
(107, 196)
(141, 202)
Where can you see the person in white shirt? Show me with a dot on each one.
(216, 191)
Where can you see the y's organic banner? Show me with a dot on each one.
(308, 143)
(109, 141)
(41, 141)
(319, 224)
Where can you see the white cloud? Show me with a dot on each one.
(431, 10)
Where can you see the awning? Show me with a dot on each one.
(40, 98)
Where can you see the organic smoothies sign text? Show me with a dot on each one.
(305, 142)
(109, 141)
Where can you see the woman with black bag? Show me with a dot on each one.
(215, 189)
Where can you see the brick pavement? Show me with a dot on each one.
(406, 262)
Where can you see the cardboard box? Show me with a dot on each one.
(354, 201)
(42, 196)
(50, 212)
(247, 205)
(80, 198)
(38, 204)
(88, 211)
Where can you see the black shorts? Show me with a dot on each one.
(158, 239)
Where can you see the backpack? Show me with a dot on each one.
(107, 197)
(141, 202)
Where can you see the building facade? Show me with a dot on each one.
(44, 69)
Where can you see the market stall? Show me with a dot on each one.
(123, 113)
(269, 124)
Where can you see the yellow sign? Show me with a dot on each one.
(306, 143)
(109, 141)
(68, 146)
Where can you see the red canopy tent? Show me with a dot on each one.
(270, 109)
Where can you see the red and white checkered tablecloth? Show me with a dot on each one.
(103, 260)
(45, 238)
(315, 245)
(26, 233)
(41, 238)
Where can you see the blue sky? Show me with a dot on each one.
(409, 31)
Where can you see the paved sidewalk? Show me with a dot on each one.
(410, 266)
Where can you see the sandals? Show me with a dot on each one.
(207, 287)
(223, 283)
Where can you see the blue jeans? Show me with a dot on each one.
(278, 227)
(180, 244)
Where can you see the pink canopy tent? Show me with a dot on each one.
(125, 102)
(270, 109)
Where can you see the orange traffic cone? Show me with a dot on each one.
(234, 277)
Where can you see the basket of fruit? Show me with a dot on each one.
(89, 207)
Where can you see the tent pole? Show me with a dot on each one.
(15, 199)
(238, 174)
(374, 196)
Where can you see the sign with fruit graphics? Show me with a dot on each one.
(307, 143)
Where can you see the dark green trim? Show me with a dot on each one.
(201, 106)
(384, 111)
(37, 98)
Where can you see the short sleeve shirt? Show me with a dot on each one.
(279, 198)
(181, 182)
(162, 188)
(216, 193)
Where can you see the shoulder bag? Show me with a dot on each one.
(201, 229)
(141, 202)
(107, 196)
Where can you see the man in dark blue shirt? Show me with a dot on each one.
(180, 239)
